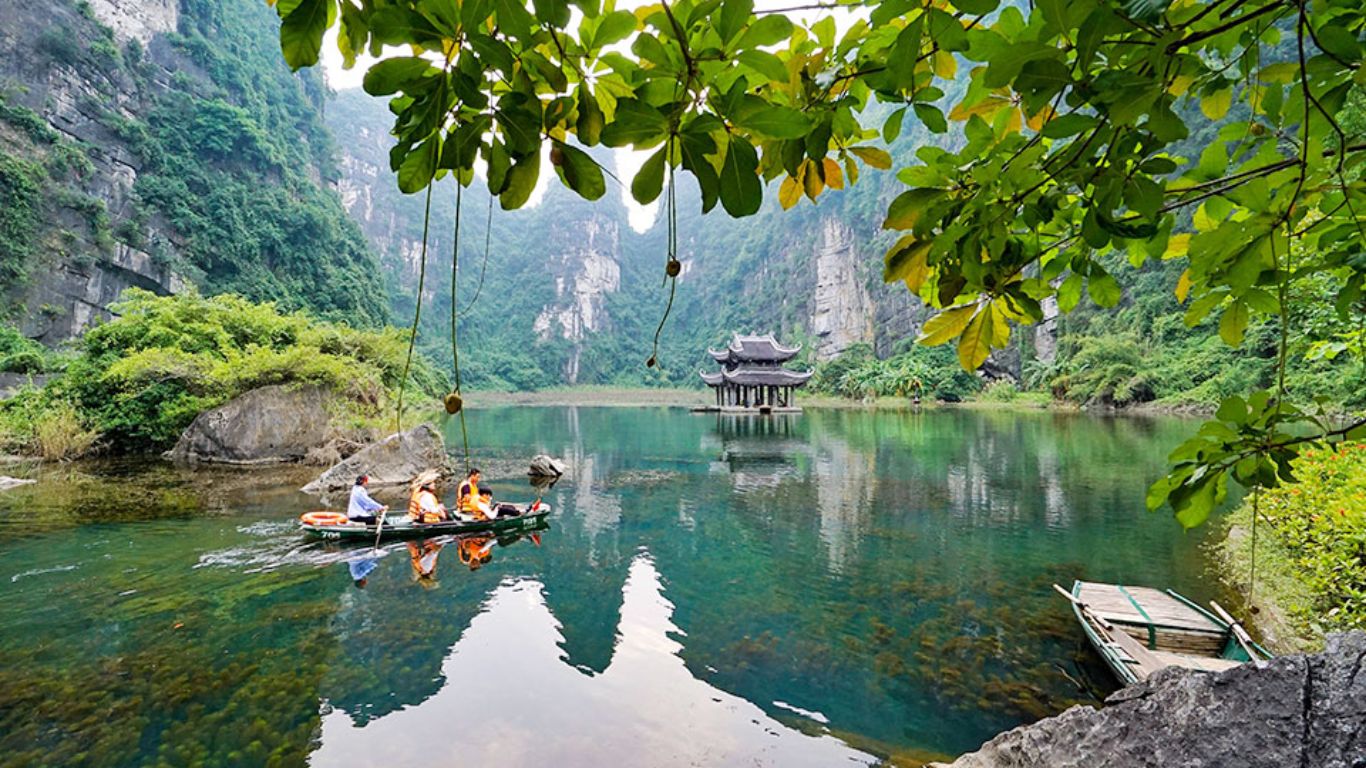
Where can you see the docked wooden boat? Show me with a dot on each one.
(1139, 630)
(530, 518)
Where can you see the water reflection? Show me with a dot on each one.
(645, 708)
(879, 580)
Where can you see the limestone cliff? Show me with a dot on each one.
(74, 266)
(585, 271)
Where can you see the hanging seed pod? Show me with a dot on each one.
(556, 156)
(453, 403)
(673, 267)
(651, 362)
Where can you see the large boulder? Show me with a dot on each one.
(393, 461)
(273, 424)
(1291, 711)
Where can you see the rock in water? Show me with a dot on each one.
(1296, 711)
(544, 466)
(395, 460)
(268, 425)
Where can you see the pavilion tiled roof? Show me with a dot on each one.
(754, 349)
(749, 376)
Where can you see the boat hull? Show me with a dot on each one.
(409, 530)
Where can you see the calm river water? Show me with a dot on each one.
(840, 587)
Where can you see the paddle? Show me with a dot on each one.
(379, 529)
(1239, 634)
(1147, 662)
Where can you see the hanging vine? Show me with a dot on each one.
(417, 314)
(455, 403)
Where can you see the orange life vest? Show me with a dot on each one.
(469, 497)
(415, 510)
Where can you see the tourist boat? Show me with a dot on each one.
(334, 526)
(1139, 630)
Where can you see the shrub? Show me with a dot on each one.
(1311, 551)
(143, 377)
(59, 433)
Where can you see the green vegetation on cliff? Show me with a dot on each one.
(139, 380)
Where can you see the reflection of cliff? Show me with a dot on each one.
(646, 708)
(845, 483)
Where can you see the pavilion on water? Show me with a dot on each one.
(752, 374)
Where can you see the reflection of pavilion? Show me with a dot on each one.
(752, 376)
(513, 701)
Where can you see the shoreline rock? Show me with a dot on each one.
(268, 425)
(1305, 710)
(393, 461)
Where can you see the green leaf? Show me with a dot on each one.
(1233, 324)
(1338, 41)
(771, 121)
(769, 30)
(393, 75)
(873, 156)
(1158, 491)
(892, 127)
(649, 181)
(766, 64)
(946, 325)
(1232, 409)
(1068, 125)
(976, 7)
(734, 15)
(521, 180)
(301, 31)
(974, 346)
(906, 262)
(1103, 289)
(931, 117)
(741, 191)
(613, 28)
(417, 169)
(636, 124)
(1216, 105)
(1069, 293)
(906, 207)
(579, 172)
(589, 124)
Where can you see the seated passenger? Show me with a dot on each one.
(467, 498)
(424, 507)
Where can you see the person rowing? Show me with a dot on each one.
(362, 508)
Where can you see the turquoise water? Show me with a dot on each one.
(805, 590)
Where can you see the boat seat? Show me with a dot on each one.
(1205, 664)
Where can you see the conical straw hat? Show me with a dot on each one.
(426, 476)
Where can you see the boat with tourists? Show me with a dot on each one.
(1139, 630)
(334, 526)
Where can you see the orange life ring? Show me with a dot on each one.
(323, 517)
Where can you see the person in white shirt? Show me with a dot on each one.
(362, 508)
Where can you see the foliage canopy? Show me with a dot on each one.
(1075, 140)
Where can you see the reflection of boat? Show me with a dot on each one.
(1139, 630)
(406, 529)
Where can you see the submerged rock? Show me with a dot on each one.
(7, 482)
(395, 460)
(1296, 710)
(545, 466)
(268, 425)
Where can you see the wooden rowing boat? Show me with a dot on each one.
(1139, 630)
(403, 528)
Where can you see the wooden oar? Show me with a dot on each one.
(379, 529)
(1239, 634)
(1147, 662)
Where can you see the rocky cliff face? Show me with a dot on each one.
(841, 312)
(1295, 711)
(75, 267)
(585, 271)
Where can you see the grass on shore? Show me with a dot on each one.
(1310, 555)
